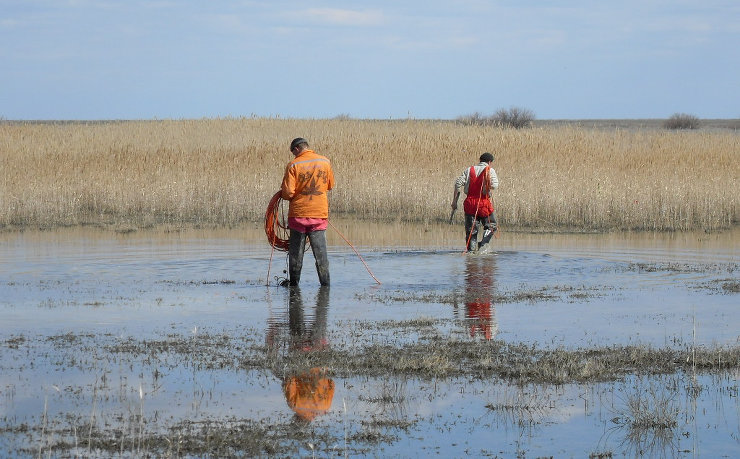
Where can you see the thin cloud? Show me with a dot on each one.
(9, 23)
(344, 17)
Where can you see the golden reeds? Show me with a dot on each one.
(223, 172)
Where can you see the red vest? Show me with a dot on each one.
(477, 202)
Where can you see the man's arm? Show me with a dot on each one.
(494, 178)
(455, 197)
(459, 186)
(287, 187)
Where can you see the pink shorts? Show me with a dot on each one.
(307, 225)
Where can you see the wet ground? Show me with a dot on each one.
(172, 342)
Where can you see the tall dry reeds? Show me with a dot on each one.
(224, 171)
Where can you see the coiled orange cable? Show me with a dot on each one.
(276, 224)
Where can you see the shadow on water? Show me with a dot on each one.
(169, 344)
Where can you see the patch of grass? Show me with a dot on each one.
(526, 295)
(649, 415)
(681, 267)
(732, 286)
(430, 355)
(726, 286)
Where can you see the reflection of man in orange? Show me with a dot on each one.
(308, 393)
(479, 283)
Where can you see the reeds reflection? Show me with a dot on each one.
(308, 389)
(480, 313)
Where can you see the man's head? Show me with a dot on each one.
(486, 158)
(300, 143)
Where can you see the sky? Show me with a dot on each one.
(394, 59)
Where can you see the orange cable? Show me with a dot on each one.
(357, 253)
(276, 228)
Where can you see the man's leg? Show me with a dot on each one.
(471, 232)
(296, 247)
(318, 245)
(487, 231)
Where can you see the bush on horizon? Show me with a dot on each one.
(514, 117)
(682, 121)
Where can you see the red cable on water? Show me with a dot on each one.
(357, 253)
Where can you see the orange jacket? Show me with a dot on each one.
(306, 181)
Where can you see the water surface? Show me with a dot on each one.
(100, 289)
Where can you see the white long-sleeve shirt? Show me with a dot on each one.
(463, 179)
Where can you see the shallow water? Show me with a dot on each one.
(103, 288)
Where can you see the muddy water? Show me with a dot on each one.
(69, 296)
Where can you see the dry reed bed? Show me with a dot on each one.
(223, 172)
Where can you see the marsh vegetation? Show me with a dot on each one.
(222, 172)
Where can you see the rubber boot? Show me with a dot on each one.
(471, 232)
(318, 245)
(489, 226)
(487, 235)
(296, 248)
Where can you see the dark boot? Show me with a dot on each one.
(471, 232)
(489, 227)
(487, 235)
(318, 245)
(296, 248)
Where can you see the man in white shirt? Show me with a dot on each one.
(477, 182)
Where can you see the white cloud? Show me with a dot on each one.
(9, 23)
(344, 17)
(227, 21)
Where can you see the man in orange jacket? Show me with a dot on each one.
(306, 182)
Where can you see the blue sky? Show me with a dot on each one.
(143, 59)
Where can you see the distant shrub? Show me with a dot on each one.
(514, 117)
(475, 119)
(682, 121)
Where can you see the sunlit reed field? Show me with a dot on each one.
(223, 172)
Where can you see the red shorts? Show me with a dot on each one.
(307, 225)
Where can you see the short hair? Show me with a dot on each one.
(486, 157)
(298, 141)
